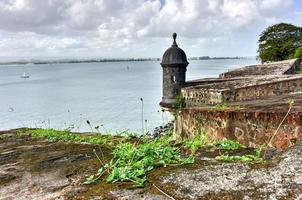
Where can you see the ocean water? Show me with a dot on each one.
(107, 94)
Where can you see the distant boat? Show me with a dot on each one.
(25, 75)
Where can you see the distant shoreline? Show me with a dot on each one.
(71, 61)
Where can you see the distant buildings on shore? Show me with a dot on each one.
(214, 58)
(62, 61)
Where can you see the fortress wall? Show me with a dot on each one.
(265, 88)
(269, 89)
(208, 95)
(201, 96)
(247, 83)
(250, 128)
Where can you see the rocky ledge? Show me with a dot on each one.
(32, 168)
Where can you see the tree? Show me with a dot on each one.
(298, 53)
(279, 42)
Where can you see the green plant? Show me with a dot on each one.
(298, 53)
(67, 136)
(222, 106)
(243, 158)
(131, 161)
(203, 140)
(134, 157)
(199, 141)
(227, 144)
(179, 101)
(279, 42)
(127, 134)
(259, 151)
(88, 122)
(225, 106)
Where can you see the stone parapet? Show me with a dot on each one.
(251, 86)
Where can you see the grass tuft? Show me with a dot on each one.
(244, 158)
(67, 136)
(225, 106)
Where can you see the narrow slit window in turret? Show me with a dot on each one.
(173, 79)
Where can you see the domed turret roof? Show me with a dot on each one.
(174, 55)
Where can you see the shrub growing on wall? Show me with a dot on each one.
(279, 42)
(180, 101)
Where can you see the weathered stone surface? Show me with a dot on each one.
(37, 169)
(273, 68)
(281, 178)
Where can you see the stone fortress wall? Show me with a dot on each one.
(247, 83)
(257, 98)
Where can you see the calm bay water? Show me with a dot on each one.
(64, 95)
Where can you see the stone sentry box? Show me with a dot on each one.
(174, 63)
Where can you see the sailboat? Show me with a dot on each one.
(25, 75)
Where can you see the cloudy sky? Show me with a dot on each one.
(138, 28)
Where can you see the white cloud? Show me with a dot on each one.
(103, 27)
(274, 4)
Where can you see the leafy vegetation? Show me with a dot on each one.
(280, 42)
(202, 140)
(131, 161)
(224, 106)
(180, 101)
(67, 136)
(298, 53)
(227, 144)
(133, 157)
(244, 158)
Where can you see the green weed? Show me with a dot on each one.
(225, 106)
(202, 140)
(222, 106)
(134, 157)
(180, 101)
(131, 162)
(67, 136)
(227, 144)
(244, 158)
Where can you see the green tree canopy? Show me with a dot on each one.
(298, 53)
(279, 42)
